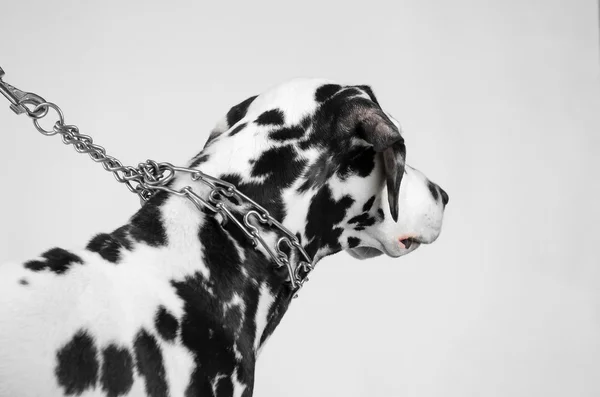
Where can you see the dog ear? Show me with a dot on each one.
(394, 160)
(375, 127)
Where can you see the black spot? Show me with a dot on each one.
(149, 362)
(77, 364)
(433, 189)
(238, 112)
(381, 214)
(57, 260)
(362, 221)
(276, 313)
(368, 204)
(121, 235)
(117, 371)
(166, 324)
(359, 218)
(359, 161)
(202, 330)
(201, 159)
(306, 122)
(237, 129)
(23, 281)
(323, 214)
(147, 225)
(318, 173)
(288, 133)
(225, 387)
(246, 340)
(108, 248)
(353, 242)
(281, 165)
(326, 91)
(207, 328)
(271, 117)
(218, 249)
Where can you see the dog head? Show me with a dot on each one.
(328, 163)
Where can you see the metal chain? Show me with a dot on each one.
(138, 180)
(151, 176)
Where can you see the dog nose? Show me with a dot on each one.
(445, 197)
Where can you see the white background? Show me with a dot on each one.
(500, 104)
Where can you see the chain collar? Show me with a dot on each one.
(217, 203)
(149, 177)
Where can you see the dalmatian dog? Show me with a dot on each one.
(177, 302)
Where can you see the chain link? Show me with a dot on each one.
(150, 176)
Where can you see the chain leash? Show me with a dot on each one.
(151, 176)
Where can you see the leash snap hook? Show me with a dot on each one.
(18, 99)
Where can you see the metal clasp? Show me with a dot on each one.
(18, 99)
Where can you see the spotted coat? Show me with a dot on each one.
(177, 303)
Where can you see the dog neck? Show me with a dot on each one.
(215, 269)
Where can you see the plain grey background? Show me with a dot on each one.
(500, 104)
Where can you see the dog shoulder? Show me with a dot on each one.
(65, 309)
